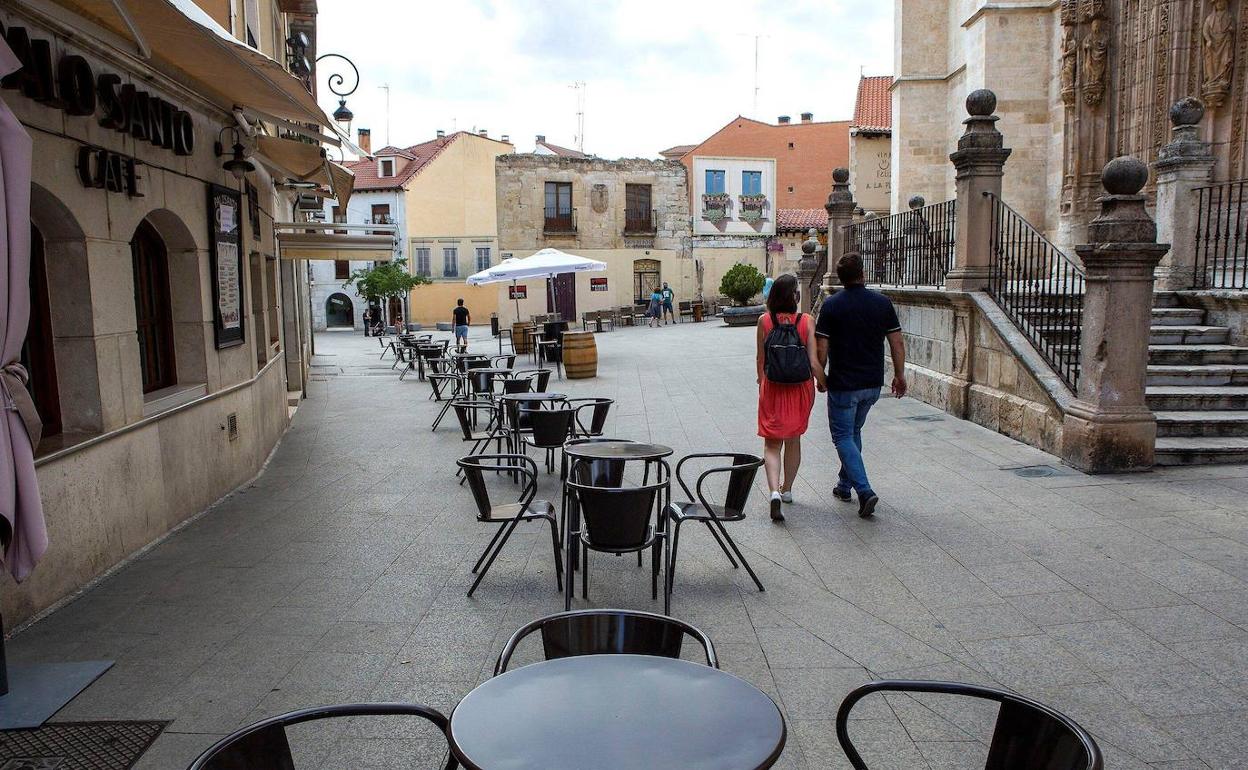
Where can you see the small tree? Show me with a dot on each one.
(384, 280)
(742, 282)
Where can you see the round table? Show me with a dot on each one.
(618, 450)
(526, 397)
(611, 712)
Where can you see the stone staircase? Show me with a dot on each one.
(1197, 387)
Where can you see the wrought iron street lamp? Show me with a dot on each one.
(336, 82)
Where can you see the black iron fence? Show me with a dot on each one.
(913, 248)
(1222, 236)
(1040, 289)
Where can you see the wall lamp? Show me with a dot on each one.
(238, 165)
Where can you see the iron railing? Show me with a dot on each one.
(1222, 236)
(1040, 289)
(913, 248)
(558, 220)
(644, 221)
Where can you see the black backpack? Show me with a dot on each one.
(785, 359)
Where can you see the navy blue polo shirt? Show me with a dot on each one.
(855, 322)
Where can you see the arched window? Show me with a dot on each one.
(645, 279)
(152, 308)
(38, 354)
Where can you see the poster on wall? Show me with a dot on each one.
(225, 256)
(518, 292)
(597, 284)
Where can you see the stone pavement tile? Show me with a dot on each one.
(952, 755)
(1221, 740)
(1185, 575)
(384, 753)
(1212, 549)
(882, 742)
(939, 718)
(175, 750)
(947, 586)
(1177, 690)
(213, 701)
(1222, 658)
(1069, 606)
(312, 622)
(1231, 606)
(1018, 578)
(335, 671)
(1030, 661)
(393, 599)
(798, 648)
(1120, 542)
(1114, 584)
(1114, 722)
(990, 621)
(126, 691)
(1172, 625)
(815, 693)
(1167, 529)
(359, 636)
(1106, 645)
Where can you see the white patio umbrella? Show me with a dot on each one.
(546, 263)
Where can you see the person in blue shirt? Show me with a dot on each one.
(852, 328)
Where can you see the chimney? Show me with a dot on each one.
(441, 134)
(783, 120)
(484, 133)
(366, 141)
(807, 117)
(507, 138)
(541, 138)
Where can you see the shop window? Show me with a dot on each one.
(152, 308)
(38, 355)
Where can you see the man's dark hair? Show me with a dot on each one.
(459, 302)
(783, 295)
(849, 270)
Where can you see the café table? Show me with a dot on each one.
(617, 712)
(605, 461)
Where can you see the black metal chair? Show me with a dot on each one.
(517, 385)
(591, 415)
(549, 429)
(740, 480)
(1028, 734)
(549, 351)
(615, 520)
(447, 387)
(539, 379)
(265, 746)
(507, 515)
(482, 384)
(505, 361)
(608, 632)
(473, 414)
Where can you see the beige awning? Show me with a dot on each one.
(308, 163)
(187, 42)
(329, 240)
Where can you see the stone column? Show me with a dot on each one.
(1109, 428)
(980, 163)
(840, 208)
(1182, 166)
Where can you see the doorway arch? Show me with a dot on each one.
(339, 312)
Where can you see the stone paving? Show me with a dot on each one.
(339, 575)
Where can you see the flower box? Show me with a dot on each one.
(715, 206)
(752, 207)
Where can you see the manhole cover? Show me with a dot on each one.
(78, 746)
(1037, 471)
(924, 418)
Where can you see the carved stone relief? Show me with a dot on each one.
(1095, 62)
(1070, 64)
(1217, 53)
(1091, 10)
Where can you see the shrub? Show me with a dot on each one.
(742, 283)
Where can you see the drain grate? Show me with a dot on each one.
(78, 746)
(925, 418)
(1037, 471)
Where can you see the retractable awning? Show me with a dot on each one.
(184, 39)
(330, 240)
(308, 163)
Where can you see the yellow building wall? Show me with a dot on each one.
(433, 302)
(718, 260)
(453, 196)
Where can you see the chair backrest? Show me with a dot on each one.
(608, 632)
(741, 470)
(598, 409)
(477, 466)
(517, 385)
(615, 517)
(551, 427)
(465, 411)
(480, 382)
(1028, 735)
(505, 361)
(264, 745)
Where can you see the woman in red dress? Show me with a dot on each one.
(784, 408)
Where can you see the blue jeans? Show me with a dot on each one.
(847, 413)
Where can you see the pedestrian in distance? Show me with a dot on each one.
(368, 321)
(788, 373)
(854, 324)
(461, 319)
(654, 311)
(668, 295)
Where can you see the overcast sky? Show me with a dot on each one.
(657, 72)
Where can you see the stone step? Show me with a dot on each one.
(1189, 335)
(1166, 299)
(1201, 451)
(1212, 374)
(1197, 355)
(1178, 316)
(1179, 398)
(1201, 424)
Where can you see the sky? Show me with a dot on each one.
(657, 73)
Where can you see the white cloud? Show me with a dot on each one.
(658, 73)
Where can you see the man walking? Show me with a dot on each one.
(461, 320)
(853, 325)
(668, 295)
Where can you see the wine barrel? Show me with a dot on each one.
(519, 340)
(580, 355)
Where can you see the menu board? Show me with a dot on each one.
(225, 253)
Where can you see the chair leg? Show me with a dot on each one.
(554, 541)
(497, 534)
(671, 555)
(584, 571)
(667, 577)
(737, 551)
(510, 527)
(446, 406)
(568, 585)
(722, 547)
(654, 570)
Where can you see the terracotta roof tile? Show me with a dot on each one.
(801, 220)
(563, 152)
(418, 156)
(678, 151)
(873, 110)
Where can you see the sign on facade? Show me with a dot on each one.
(597, 284)
(226, 255)
(518, 292)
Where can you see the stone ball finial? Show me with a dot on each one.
(810, 245)
(981, 103)
(1188, 111)
(1125, 176)
(917, 202)
(840, 175)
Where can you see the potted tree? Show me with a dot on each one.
(378, 284)
(742, 283)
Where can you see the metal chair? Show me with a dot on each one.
(608, 632)
(615, 520)
(517, 385)
(549, 429)
(469, 415)
(590, 424)
(686, 309)
(507, 515)
(503, 361)
(546, 353)
(539, 378)
(740, 480)
(265, 746)
(1028, 734)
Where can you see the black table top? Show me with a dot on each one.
(610, 712)
(618, 450)
(491, 369)
(532, 396)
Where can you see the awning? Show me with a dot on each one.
(184, 38)
(318, 240)
(308, 163)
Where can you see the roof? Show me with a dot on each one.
(873, 109)
(418, 156)
(678, 151)
(790, 220)
(563, 152)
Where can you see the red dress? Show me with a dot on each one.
(784, 408)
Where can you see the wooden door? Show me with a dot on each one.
(561, 296)
(152, 309)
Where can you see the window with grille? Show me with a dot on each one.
(450, 261)
(483, 258)
(558, 210)
(638, 215)
(423, 259)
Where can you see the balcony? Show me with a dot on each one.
(643, 222)
(752, 208)
(559, 221)
(715, 206)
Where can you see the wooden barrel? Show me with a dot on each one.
(580, 355)
(519, 341)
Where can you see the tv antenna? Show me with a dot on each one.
(756, 86)
(579, 87)
(386, 87)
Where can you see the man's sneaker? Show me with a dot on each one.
(786, 497)
(843, 495)
(866, 505)
(776, 515)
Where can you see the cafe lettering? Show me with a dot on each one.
(72, 87)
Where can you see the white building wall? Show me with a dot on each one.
(323, 284)
(732, 168)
